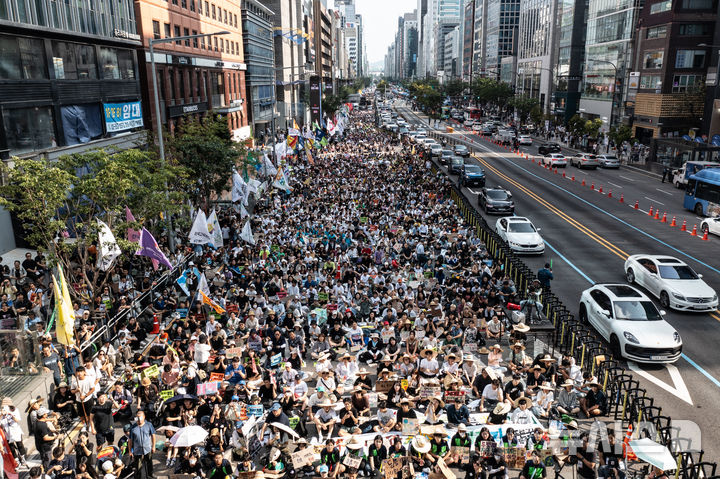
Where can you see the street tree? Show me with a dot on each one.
(59, 202)
(523, 106)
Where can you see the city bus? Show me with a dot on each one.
(473, 113)
(702, 194)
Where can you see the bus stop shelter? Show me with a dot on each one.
(674, 152)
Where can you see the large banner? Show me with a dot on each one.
(122, 116)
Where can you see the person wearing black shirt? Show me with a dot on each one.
(377, 453)
(535, 379)
(495, 465)
(349, 419)
(609, 457)
(63, 402)
(586, 460)
(101, 420)
(221, 468)
(191, 465)
(533, 468)
(514, 388)
(337, 336)
(595, 402)
(44, 436)
(330, 456)
(32, 268)
(481, 380)
(62, 466)
(476, 468)
(267, 391)
(404, 412)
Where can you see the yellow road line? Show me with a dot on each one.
(715, 315)
(588, 232)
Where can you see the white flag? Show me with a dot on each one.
(239, 189)
(268, 165)
(203, 286)
(247, 234)
(281, 181)
(214, 229)
(199, 233)
(253, 185)
(281, 149)
(108, 248)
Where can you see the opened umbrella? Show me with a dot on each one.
(189, 436)
(181, 397)
(654, 454)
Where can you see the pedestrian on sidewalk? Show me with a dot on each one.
(666, 171)
(545, 275)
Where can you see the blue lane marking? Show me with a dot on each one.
(605, 212)
(702, 371)
(570, 263)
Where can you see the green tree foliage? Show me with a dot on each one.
(592, 127)
(204, 146)
(488, 91)
(59, 202)
(455, 87)
(524, 106)
(576, 125)
(620, 134)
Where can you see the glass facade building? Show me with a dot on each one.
(260, 60)
(571, 20)
(501, 32)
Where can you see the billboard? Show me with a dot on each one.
(315, 99)
(122, 116)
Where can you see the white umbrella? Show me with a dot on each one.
(189, 436)
(654, 454)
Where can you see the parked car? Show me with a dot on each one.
(672, 281)
(584, 160)
(462, 150)
(608, 161)
(631, 323)
(546, 148)
(520, 234)
(525, 140)
(472, 175)
(554, 159)
(496, 200)
(456, 164)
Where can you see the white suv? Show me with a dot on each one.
(631, 323)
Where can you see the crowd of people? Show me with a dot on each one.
(367, 331)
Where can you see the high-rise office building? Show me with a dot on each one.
(571, 20)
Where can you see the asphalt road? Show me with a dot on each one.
(590, 234)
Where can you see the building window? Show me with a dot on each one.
(235, 21)
(657, 32)
(225, 16)
(232, 48)
(691, 29)
(181, 83)
(167, 31)
(86, 62)
(64, 63)
(176, 28)
(202, 42)
(650, 82)
(183, 3)
(186, 32)
(690, 59)
(216, 46)
(22, 58)
(207, 9)
(653, 59)
(174, 2)
(682, 83)
(29, 129)
(192, 6)
(156, 30)
(195, 40)
(213, 11)
(659, 7)
(227, 46)
(697, 4)
(117, 64)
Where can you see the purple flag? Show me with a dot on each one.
(150, 248)
(132, 235)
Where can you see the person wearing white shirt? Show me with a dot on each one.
(521, 414)
(428, 364)
(202, 352)
(346, 369)
(543, 400)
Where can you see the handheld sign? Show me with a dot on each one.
(217, 377)
(167, 394)
(352, 461)
(151, 372)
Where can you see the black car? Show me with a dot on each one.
(445, 156)
(496, 200)
(472, 175)
(546, 148)
(456, 165)
(462, 150)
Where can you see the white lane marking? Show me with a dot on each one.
(625, 177)
(473, 191)
(654, 201)
(663, 191)
(678, 388)
(615, 185)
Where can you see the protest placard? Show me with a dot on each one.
(211, 387)
(352, 461)
(463, 454)
(427, 392)
(302, 457)
(363, 219)
(233, 352)
(373, 400)
(276, 359)
(255, 410)
(404, 384)
(386, 334)
(383, 386)
(454, 394)
(151, 372)
(391, 466)
(247, 474)
(445, 469)
(217, 377)
(167, 394)
(410, 426)
(323, 297)
(486, 448)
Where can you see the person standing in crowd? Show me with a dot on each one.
(141, 445)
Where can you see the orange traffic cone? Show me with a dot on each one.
(583, 182)
(664, 218)
(573, 177)
(673, 223)
(622, 198)
(650, 212)
(705, 235)
(556, 171)
(684, 226)
(657, 214)
(694, 231)
(563, 174)
(627, 450)
(610, 194)
(600, 190)
(592, 185)
(637, 205)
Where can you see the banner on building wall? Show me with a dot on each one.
(315, 99)
(122, 116)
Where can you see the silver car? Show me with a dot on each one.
(608, 161)
(584, 160)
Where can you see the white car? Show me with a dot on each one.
(554, 159)
(520, 234)
(672, 281)
(419, 138)
(429, 141)
(711, 225)
(631, 323)
(525, 140)
(608, 161)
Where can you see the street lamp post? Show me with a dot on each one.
(161, 143)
